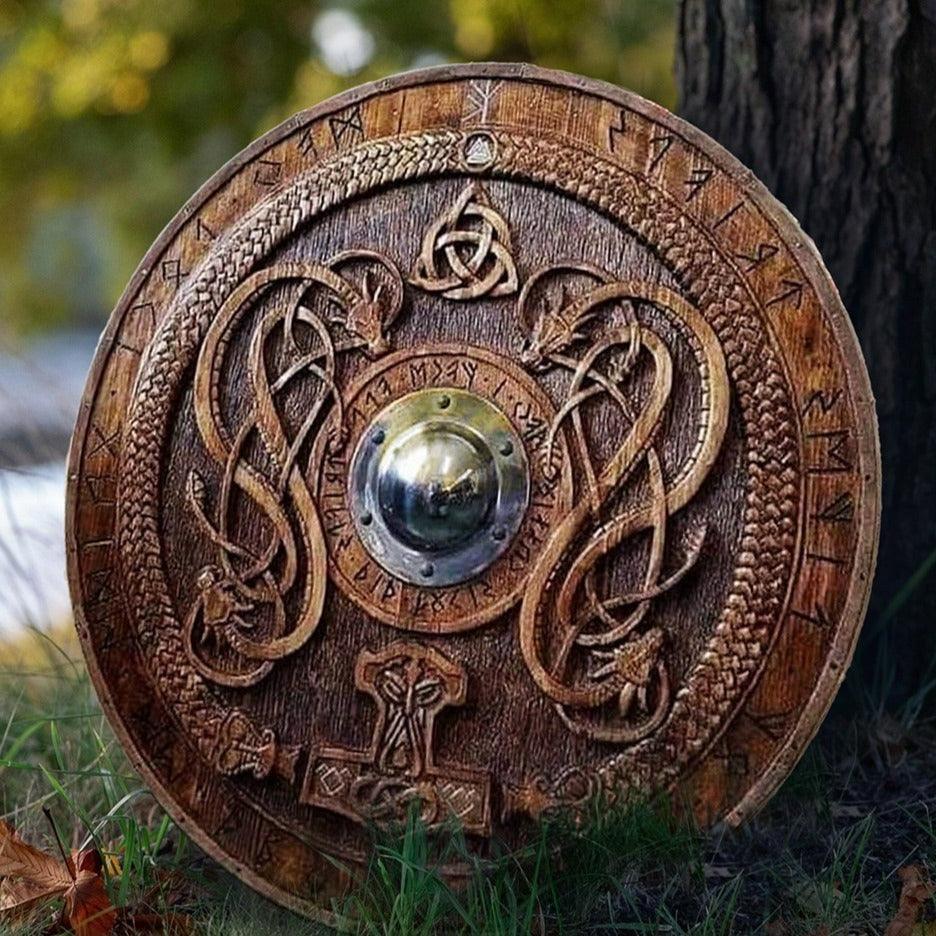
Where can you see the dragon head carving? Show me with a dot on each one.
(555, 329)
(376, 301)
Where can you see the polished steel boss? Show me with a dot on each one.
(439, 485)
(484, 441)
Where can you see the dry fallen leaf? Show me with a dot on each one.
(87, 907)
(18, 899)
(916, 891)
(170, 888)
(30, 877)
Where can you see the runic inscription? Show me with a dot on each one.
(483, 441)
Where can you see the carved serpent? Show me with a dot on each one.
(248, 579)
(535, 615)
(227, 451)
(771, 496)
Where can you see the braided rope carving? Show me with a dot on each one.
(228, 738)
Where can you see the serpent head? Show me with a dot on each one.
(368, 310)
(555, 329)
(368, 318)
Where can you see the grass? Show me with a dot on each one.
(822, 858)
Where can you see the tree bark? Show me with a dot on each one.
(832, 103)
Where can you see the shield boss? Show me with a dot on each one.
(487, 439)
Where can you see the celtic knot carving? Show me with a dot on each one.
(564, 613)
(238, 626)
(466, 251)
(241, 750)
(572, 792)
(598, 703)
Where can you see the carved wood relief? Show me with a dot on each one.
(487, 455)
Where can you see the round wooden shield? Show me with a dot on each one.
(485, 438)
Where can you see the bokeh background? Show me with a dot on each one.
(112, 112)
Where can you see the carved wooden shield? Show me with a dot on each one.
(488, 438)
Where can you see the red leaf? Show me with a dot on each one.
(87, 907)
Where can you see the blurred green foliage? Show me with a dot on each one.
(112, 112)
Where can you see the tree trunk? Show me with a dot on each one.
(832, 103)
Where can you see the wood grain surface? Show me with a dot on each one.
(682, 597)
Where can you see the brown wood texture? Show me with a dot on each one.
(680, 601)
(831, 105)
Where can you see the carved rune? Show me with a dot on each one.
(410, 685)
(466, 251)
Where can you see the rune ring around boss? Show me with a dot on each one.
(484, 441)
